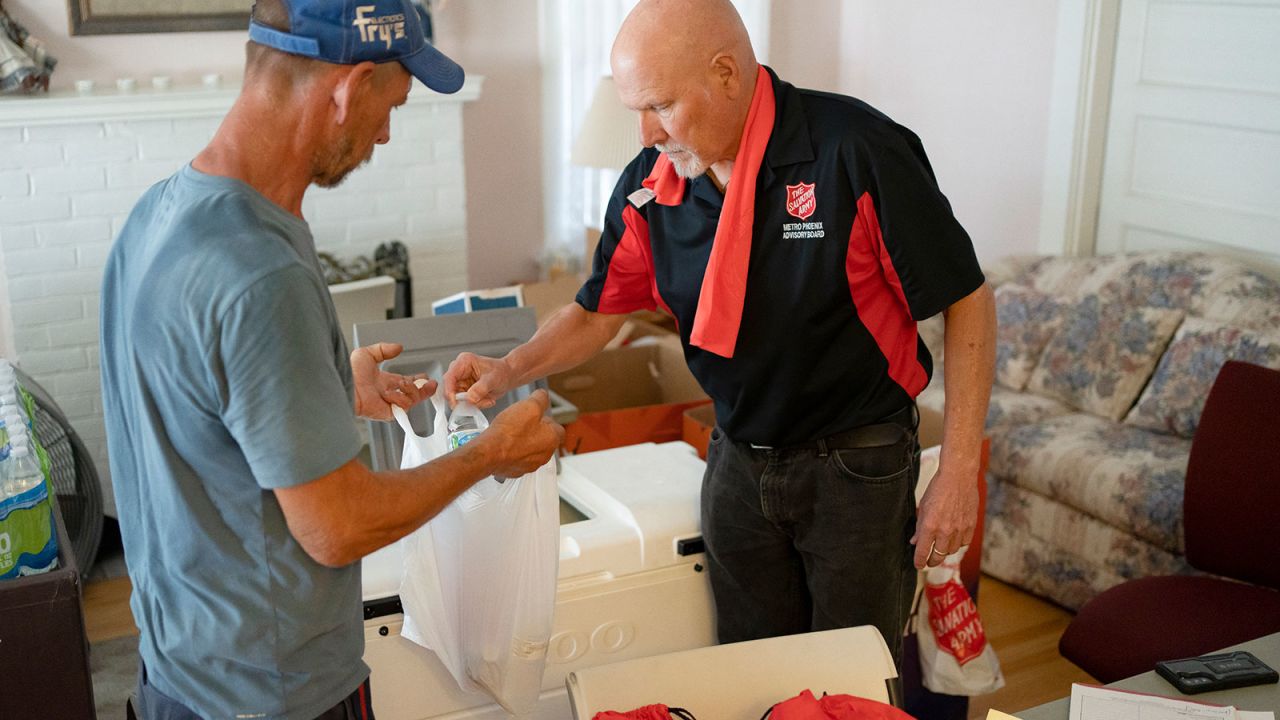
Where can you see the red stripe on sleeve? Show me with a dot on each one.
(877, 296)
(630, 283)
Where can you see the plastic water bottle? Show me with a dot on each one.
(15, 431)
(14, 421)
(18, 438)
(464, 422)
(12, 428)
(9, 406)
(28, 545)
(24, 472)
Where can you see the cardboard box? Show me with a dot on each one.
(656, 317)
(629, 395)
(698, 424)
(547, 297)
(473, 300)
(544, 297)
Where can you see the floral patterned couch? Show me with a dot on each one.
(1103, 366)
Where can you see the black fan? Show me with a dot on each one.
(71, 471)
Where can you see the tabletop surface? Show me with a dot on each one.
(1258, 697)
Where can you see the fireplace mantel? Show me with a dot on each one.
(67, 106)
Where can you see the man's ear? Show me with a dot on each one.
(727, 74)
(351, 86)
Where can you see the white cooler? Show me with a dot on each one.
(631, 584)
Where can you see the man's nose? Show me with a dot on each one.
(651, 132)
(384, 135)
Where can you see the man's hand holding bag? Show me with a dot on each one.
(480, 578)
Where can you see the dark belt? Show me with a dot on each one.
(887, 431)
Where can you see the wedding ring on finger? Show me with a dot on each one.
(933, 550)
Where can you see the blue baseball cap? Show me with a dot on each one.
(346, 32)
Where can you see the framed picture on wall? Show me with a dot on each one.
(110, 17)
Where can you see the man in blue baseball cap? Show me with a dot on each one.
(347, 32)
(231, 399)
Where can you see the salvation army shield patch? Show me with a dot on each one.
(801, 200)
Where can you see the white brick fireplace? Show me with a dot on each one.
(71, 168)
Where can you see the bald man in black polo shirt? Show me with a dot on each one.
(796, 237)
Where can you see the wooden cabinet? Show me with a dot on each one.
(44, 654)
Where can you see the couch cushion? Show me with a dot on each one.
(1129, 478)
(1102, 356)
(1010, 268)
(1243, 298)
(1211, 286)
(1175, 396)
(1072, 278)
(1007, 407)
(1020, 408)
(1165, 279)
(1025, 321)
(1060, 553)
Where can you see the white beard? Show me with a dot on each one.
(687, 164)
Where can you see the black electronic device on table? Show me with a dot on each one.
(1221, 671)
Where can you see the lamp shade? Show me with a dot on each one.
(610, 136)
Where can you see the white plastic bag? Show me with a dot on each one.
(479, 584)
(955, 657)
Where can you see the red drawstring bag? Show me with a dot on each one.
(648, 712)
(835, 707)
(801, 707)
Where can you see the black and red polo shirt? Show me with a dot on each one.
(850, 244)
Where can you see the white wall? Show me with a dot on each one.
(972, 79)
(804, 46)
(502, 134)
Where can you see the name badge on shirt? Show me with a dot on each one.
(641, 197)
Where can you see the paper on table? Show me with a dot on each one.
(1089, 702)
(997, 715)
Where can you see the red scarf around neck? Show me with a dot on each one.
(724, 287)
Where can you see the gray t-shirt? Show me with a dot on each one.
(225, 375)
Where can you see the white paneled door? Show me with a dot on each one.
(1193, 145)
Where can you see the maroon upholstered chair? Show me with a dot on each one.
(1231, 519)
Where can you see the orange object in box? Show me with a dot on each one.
(698, 424)
(629, 395)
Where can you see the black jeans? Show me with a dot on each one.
(148, 703)
(806, 539)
